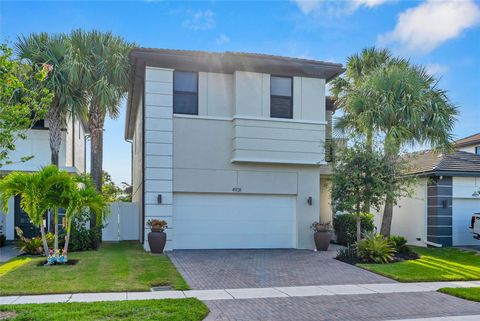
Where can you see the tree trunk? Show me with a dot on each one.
(67, 238)
(95, 125)
(387, 217)
(359, 227)
(54, 121)
(44, 239)
(55, 218)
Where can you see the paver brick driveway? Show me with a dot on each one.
(228, 269)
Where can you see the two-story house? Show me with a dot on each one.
(71, 158)
(228, 148)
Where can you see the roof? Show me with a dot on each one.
(221, 62)
(467, 141)
(457, 163)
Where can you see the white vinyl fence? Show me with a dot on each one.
(122, 223)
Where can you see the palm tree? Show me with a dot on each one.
(102, 65)
(41, 49)
(357, 115)
(82, 196)
(100, 62)
(39, 191)
(406, 108)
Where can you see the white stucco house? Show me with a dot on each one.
(71, 158)
(445, 197)
(228, 148)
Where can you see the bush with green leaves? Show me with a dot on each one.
(34, 245)
(347, 252)
(375, 249)
(346, 229)
(82, 238)
(399, 243)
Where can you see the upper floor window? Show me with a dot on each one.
(477, 150)
(281, 98)
(185, 92)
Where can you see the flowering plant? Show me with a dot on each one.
(155, 224)
(321, 227)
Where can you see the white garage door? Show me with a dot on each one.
(462, 214)
(224, 221)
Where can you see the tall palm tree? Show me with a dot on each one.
(406, 108)
(41, 49)
(357, 114)
(100, 62)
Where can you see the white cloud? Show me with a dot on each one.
(200, 20)
(368, 3)
(307, 6)
(347, 6)
(222, 39)
(425, 27)
(436, 69)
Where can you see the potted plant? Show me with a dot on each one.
(157, 238)
(322, 235)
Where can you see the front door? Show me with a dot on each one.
(23, 221)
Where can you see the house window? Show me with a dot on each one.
(281, 100)
(185, 92)
(477, 150)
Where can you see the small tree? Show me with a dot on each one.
(359, 177)
(83, 196)
(23, 101)
(51, 189)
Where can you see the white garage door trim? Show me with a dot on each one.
(234, 221)
(462, 210)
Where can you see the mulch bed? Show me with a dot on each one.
(399, 257)
(69, 262)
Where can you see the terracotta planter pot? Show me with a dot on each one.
(322, 240)
(157, 240)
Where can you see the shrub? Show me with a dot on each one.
(33, 246)
(347, 252)
(3, 240)
(375, 248)
(399, 243)
(82, 238)
(345, 227)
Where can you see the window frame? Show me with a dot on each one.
(185, 92)
(279, 96)
(477, 150)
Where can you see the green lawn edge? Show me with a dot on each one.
(434, 264)
(115, 267)
(189, 309)
(472, 294)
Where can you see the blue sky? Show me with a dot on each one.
(442, 35)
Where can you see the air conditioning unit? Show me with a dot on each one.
(475, 225)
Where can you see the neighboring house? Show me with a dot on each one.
(37, 144)
(445, 197)
(228, 148)
(469, 144)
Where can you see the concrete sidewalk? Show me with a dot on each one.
(245, 293)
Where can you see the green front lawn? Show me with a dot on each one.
(435, 264)
(114, 267)
(146, 310)
(472, 294)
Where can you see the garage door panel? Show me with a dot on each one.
(230, 241)
(232, 213)
(462, 214)
(216, 221)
